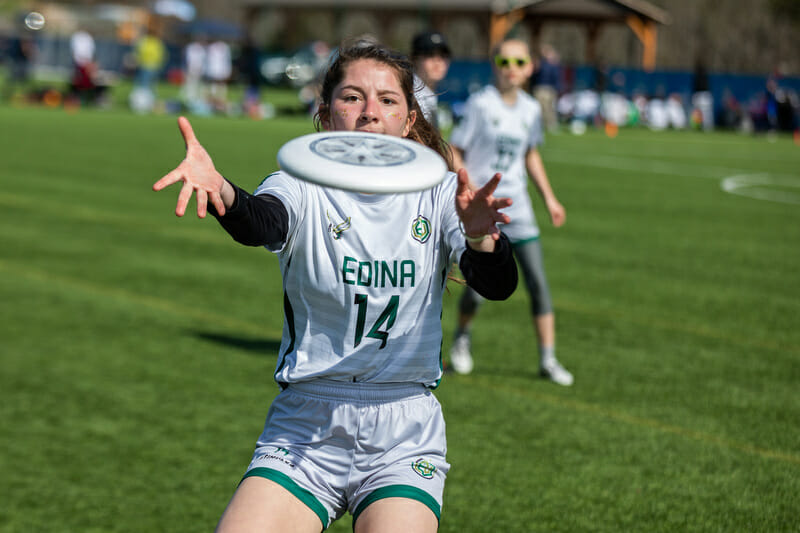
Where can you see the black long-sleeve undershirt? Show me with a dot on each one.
(493, 275)
(255, 220)
(259, 220)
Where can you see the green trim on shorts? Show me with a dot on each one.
(399, 491)
(299, 492)
(524, 241)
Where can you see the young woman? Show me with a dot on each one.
(355, 427)
(500, 133)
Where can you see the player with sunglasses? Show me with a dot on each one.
(500, 133)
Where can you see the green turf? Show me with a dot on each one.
(136, 348)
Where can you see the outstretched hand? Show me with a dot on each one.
(478, 209)
(198, 174)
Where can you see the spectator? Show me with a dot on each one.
(21, 53)
(249, 67)
(702, 99)
(83, 85)
(547, 85)
(219, 67)
(194, 92)
(151, 55)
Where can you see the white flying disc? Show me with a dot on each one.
(362, 162)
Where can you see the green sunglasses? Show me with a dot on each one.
(504, 62)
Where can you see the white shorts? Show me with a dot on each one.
(342, 446)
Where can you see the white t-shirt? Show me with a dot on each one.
(82, 46)
(219, 65)
(363, 277)
(195, 55)
(495, 138)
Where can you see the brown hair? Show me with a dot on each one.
(421, 131)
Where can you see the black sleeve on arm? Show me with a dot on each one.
(493, 275)
(255, 220)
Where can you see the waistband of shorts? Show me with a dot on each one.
(362, 392)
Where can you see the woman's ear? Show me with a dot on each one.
(324, 113)
(412, 117)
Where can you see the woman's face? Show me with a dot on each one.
(369, 98)
(515, 67)
(433, 69)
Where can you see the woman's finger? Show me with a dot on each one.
(202, 202)
(183, 199)
(463, 181)
(186, 130)
(488, 189)
(219, 205)
(168, 179)
(500, 203)
(501, 218)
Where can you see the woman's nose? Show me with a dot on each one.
(370, 111)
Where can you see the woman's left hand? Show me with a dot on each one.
(558, 215)
(479, 209)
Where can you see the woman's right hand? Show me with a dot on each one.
(198, 174)
(479, 210)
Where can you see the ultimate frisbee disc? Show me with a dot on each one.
(362, 162)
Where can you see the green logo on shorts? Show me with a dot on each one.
(421, 229)
(423, 468)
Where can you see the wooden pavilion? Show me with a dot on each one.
(494, 17)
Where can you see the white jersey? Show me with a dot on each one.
(495, 137)
(363, 277)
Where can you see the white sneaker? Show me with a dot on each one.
(460, 357)
(556, 373)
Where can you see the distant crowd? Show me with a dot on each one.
(208, 65)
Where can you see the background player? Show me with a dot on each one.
(500, 133)
(355, 426)
(431, 56)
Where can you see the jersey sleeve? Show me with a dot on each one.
(290, 191)
(452, 234)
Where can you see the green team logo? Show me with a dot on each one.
(421, 229)
(423, 468)
(336, 229)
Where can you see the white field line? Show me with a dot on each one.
(757, 186)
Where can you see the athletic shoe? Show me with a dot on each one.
(556, 373)
(460, 357)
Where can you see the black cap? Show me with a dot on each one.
(429, 43)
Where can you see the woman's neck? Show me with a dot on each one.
(508, 94)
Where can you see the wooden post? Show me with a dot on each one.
(592, 33)
(647, 32)
(501, 24)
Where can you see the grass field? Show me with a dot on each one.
(136, 348)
